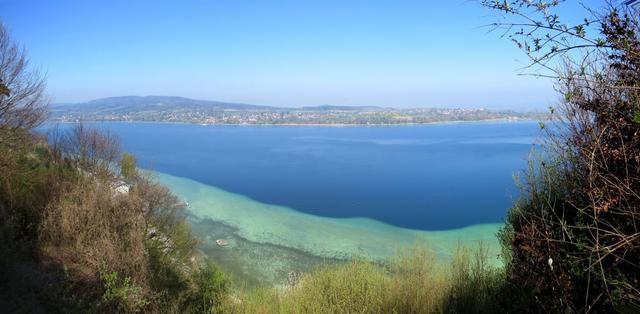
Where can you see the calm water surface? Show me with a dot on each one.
(428, 177)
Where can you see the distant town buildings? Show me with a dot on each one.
(377, 116)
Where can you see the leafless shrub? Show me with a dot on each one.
(90, 231)
(93, 230)
(25, 106)
(91, 149)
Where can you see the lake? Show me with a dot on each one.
(288, 196)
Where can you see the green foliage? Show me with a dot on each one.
(169, 279)
(357, 287)
(128, 166)
(414, 282)
(476, 285)
(211, 292)
(122, 293)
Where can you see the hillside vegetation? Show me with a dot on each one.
(413, 282)
(573, 238)
(77, 235)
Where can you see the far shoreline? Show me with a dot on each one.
(330, 125)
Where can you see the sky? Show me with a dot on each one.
(280, 53)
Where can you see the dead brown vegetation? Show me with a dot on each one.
(573, 237)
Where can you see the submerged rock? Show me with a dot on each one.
(222, 242)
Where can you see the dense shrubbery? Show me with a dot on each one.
(573, 239)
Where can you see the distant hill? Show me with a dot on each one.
(128, 104)
(123, 104)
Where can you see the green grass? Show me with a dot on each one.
(413, 282)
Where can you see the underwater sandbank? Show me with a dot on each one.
(325, 237)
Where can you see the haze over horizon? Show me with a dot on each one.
(285, 54)
(145, 99)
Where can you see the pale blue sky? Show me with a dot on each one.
(284, 53)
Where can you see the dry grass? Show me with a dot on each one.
(414, 282)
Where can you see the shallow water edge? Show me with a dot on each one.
(269, 242)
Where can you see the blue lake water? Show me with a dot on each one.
(428, 177)
(289, 198)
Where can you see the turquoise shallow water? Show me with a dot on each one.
(267, 242)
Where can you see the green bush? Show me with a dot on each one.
(121, 294)
(211, 290)
(414, 282)
(128, 166)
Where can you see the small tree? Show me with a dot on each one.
(91, 149)
(212, 286)
(128, 166)
(25, 106)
